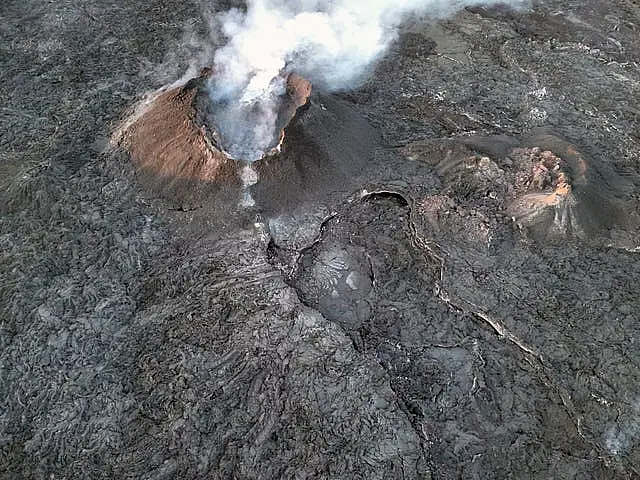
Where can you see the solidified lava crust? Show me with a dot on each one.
(398, 303)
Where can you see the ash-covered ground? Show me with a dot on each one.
(411, 296)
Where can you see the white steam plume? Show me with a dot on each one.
(330, 42)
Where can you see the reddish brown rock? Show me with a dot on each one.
(178, 153)
(173, 153)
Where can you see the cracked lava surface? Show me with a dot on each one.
(435, 278)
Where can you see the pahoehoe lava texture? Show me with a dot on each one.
(466, 393)
(397, 304)
(356, 276)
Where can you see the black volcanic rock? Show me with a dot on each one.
(378, 313)
(328, 148)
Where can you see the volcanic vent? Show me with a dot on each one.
(181, 152)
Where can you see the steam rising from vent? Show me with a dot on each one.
(332, 43)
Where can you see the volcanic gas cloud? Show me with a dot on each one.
(332, 43)
(236, 111)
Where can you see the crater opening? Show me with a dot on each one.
(251, 129)
(182, 135)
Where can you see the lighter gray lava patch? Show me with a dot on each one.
(357, 273)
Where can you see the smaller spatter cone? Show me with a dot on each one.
(174, 145)
(532, 185)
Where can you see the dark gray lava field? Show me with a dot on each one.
(437, 277)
